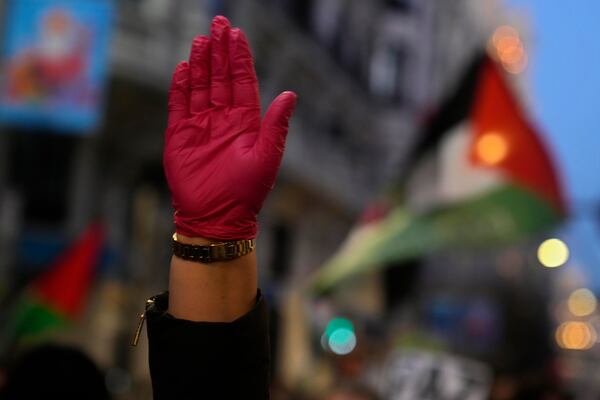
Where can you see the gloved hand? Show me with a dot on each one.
(220, 158)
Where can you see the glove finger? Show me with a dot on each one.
(220, 86)
(178, 98)
(244, 83)
(200, 74)
(271, 140)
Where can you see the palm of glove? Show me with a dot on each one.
(220, 159)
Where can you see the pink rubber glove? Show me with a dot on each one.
(220, 158)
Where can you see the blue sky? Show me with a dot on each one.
(565, 79)
(564, 75)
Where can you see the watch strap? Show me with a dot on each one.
(221, 251)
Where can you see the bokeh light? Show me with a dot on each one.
(518, 65)
(576, 335)
(491, 148)
(502, 32)
(582, 302)
(339, 336)
(507, 47)
(342, 341)
(553, 253)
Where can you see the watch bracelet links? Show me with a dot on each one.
(213, 252)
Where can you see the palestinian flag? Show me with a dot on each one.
(481, 176)
(58, 295)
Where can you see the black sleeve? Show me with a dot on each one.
(208, 360)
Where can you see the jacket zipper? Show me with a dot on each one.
(142, 319)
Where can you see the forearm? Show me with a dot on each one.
(209, 337)
(215, 292)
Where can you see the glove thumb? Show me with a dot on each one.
(271, 140)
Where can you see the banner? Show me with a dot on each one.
(55, 58)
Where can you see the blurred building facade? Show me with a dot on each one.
(367, 73)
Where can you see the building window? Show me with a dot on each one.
(404, 6)
(386, 77)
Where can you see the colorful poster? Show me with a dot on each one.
(55, 63)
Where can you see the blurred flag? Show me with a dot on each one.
(481, 176)
(58, 295)
(55, 61)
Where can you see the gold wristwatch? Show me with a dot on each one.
(220, 251)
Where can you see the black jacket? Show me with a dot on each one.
(208, 360)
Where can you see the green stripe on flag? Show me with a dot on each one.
(32, 319)
(497, 217)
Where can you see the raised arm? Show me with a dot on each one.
(221, 160)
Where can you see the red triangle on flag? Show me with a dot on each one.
(506, 140)
(65, 284)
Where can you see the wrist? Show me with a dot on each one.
(217, 292)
